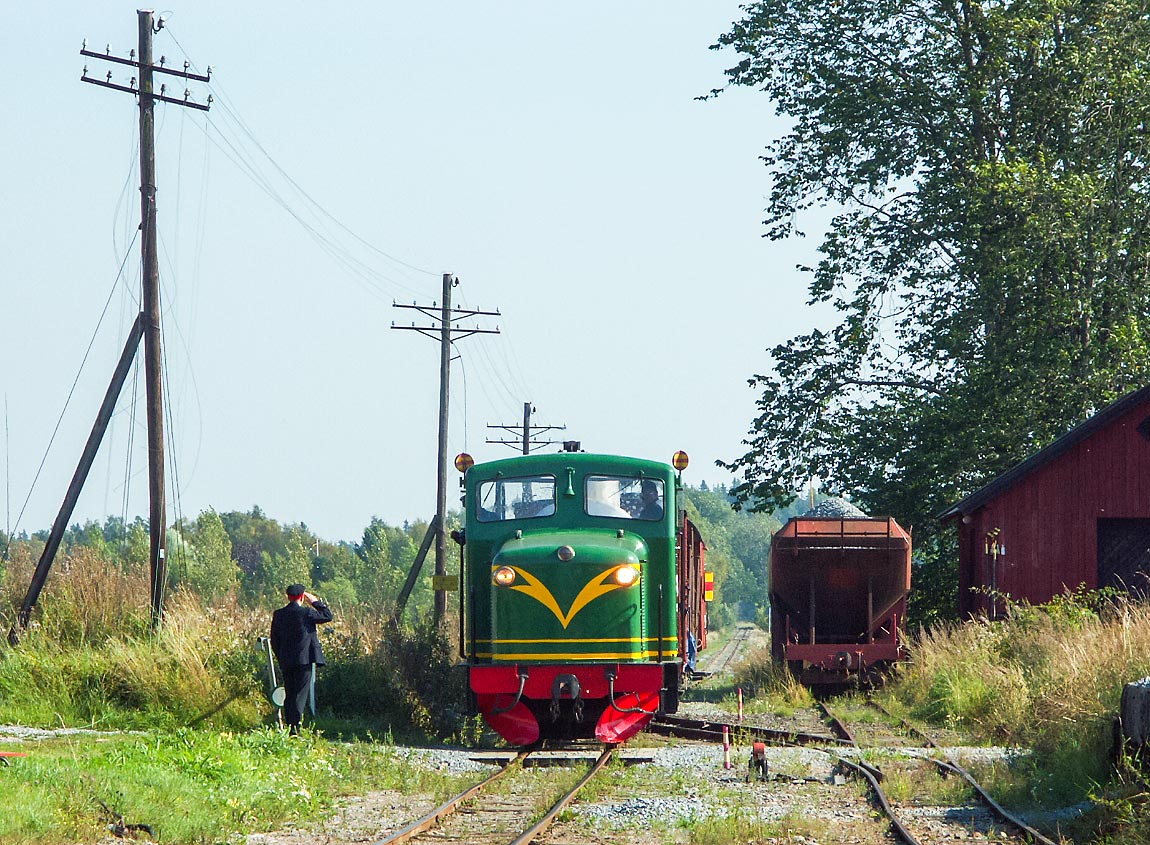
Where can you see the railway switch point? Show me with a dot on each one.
(757, 764)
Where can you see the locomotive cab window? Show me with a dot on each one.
(625, 498)
(526, 497)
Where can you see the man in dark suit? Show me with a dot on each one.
(650, 506)
(296, 646)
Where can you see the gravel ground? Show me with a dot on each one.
(803, 785)
(19, 733)
(629, 818)
(452, 761)
(836, 507)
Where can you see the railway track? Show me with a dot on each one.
(493, 821)
(709, 731)
(947, 765)
(731, 649)
(918, 825)
(928, 809)
(913, 825)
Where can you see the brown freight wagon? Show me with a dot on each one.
(691, 564)
(838, 596)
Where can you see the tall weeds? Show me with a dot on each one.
(1039, 677)
(86, 599)
(402, 676)
(90, 657)
(761, 675)
(1050, 679)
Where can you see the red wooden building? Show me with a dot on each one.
(1077, 512)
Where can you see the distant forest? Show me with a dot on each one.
(249, 557)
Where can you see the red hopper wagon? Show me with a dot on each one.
(838, 596)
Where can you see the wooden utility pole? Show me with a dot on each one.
(147, 326)
(441, 465)
(157, 521)
(150, 310)
(7, 486)
(446, 332)
(525, 434)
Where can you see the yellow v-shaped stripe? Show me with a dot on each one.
(591, 590)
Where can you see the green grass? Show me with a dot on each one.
(193, 787)
(740, 827)
(90, 659)
(768, 686)
(184, 745)
(1047, 679)
(744, 824)
(920, 783)
(130, 684)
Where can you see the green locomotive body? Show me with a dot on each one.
(579, 593)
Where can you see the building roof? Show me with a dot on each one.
(1044, 456)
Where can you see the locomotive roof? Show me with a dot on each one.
(584, 460)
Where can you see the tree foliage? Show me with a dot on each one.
(200, 557)
(216, 573)
(988, 254)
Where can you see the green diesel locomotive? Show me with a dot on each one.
(582, 593)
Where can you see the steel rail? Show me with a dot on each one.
(707, 730)
(836, 725)
(999, 810)
(948, 764)
(871, 775)
(450, 806)
(539, 827)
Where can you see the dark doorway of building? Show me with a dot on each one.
(1124, 554)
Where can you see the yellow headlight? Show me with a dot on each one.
(504, 576)
(625, 576)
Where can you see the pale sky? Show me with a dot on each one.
(553, 158)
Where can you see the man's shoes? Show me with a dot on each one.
(293, 730)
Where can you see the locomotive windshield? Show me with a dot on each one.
(625, 498)
(516, 498)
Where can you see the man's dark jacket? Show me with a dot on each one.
(294, 639)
